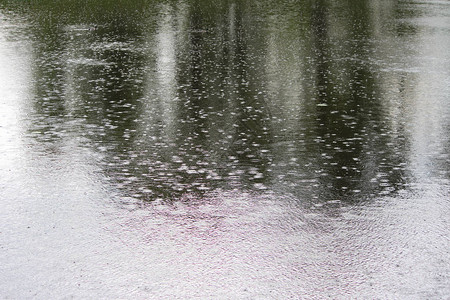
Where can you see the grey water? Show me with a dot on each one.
(224, 150)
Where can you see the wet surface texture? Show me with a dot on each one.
(246, 149)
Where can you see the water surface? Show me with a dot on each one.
(235, 149)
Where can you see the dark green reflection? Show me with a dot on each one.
(186, 97)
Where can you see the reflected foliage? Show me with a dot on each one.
(181, 97)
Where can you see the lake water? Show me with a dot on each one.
(225, 150)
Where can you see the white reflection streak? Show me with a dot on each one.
(430, 115)
(14, 78)
(232, 22)
(73, 50)
(285, 70)
(166, 63)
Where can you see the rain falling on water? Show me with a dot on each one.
(246, 149)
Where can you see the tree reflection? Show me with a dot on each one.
(49, 72)
(252, 136)
(185, 97)
(349, 111)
